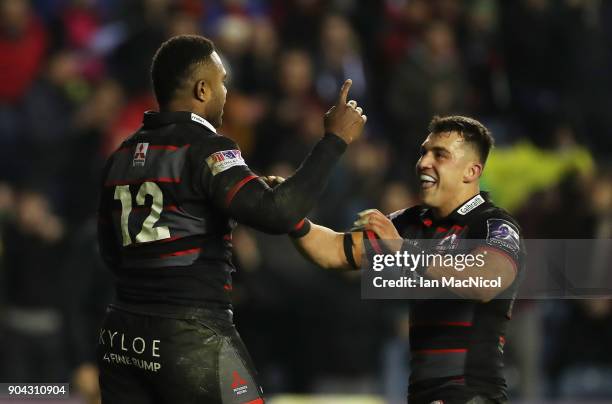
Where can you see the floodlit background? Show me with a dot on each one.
(74, 82)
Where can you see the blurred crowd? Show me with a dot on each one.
(74, 81)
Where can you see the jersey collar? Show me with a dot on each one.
(470, 205)
(462, 211)
(155, 119)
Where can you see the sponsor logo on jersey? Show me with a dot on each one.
(471, 205)
(502, 233)
(140, 155)
(223, 160)
(449, 242)
(239, 385)
(197, 118)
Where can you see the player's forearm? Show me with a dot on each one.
(323, 247)
(277, 210)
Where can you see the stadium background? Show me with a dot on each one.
(74, 82)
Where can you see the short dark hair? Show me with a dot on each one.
(470, 129)
(173, 62)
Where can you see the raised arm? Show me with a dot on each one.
(233, 187)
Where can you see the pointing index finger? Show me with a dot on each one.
(344, 92)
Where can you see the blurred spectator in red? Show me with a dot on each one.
(22, 48)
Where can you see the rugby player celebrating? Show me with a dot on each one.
(456, 344)
(171, 195)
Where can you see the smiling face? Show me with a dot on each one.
(448, 171)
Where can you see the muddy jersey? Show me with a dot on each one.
(458, 344)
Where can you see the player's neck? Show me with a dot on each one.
(455, 202)
(178, 105)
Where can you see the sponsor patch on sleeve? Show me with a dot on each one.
(502, 233)
(223, 160)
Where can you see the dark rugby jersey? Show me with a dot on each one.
(160, 226)
(457, 345)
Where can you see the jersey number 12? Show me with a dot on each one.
(148, 232)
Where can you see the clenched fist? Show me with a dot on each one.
(345, 119)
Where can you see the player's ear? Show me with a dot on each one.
(473, 172)
(201, 91)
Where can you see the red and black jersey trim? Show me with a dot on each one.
(234, 190)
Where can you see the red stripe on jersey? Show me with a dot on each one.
(256, 401)
(441, 229)
(227, 237)
(232, 193)
(444, 323)
(427, 222)
(372, 237)
(457, 228)
(183, 252)
(172, 208)
(227, 287)
(155, 147)
(166, 147)
(160, 179)
(440, 351)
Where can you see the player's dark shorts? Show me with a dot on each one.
(191, 355)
